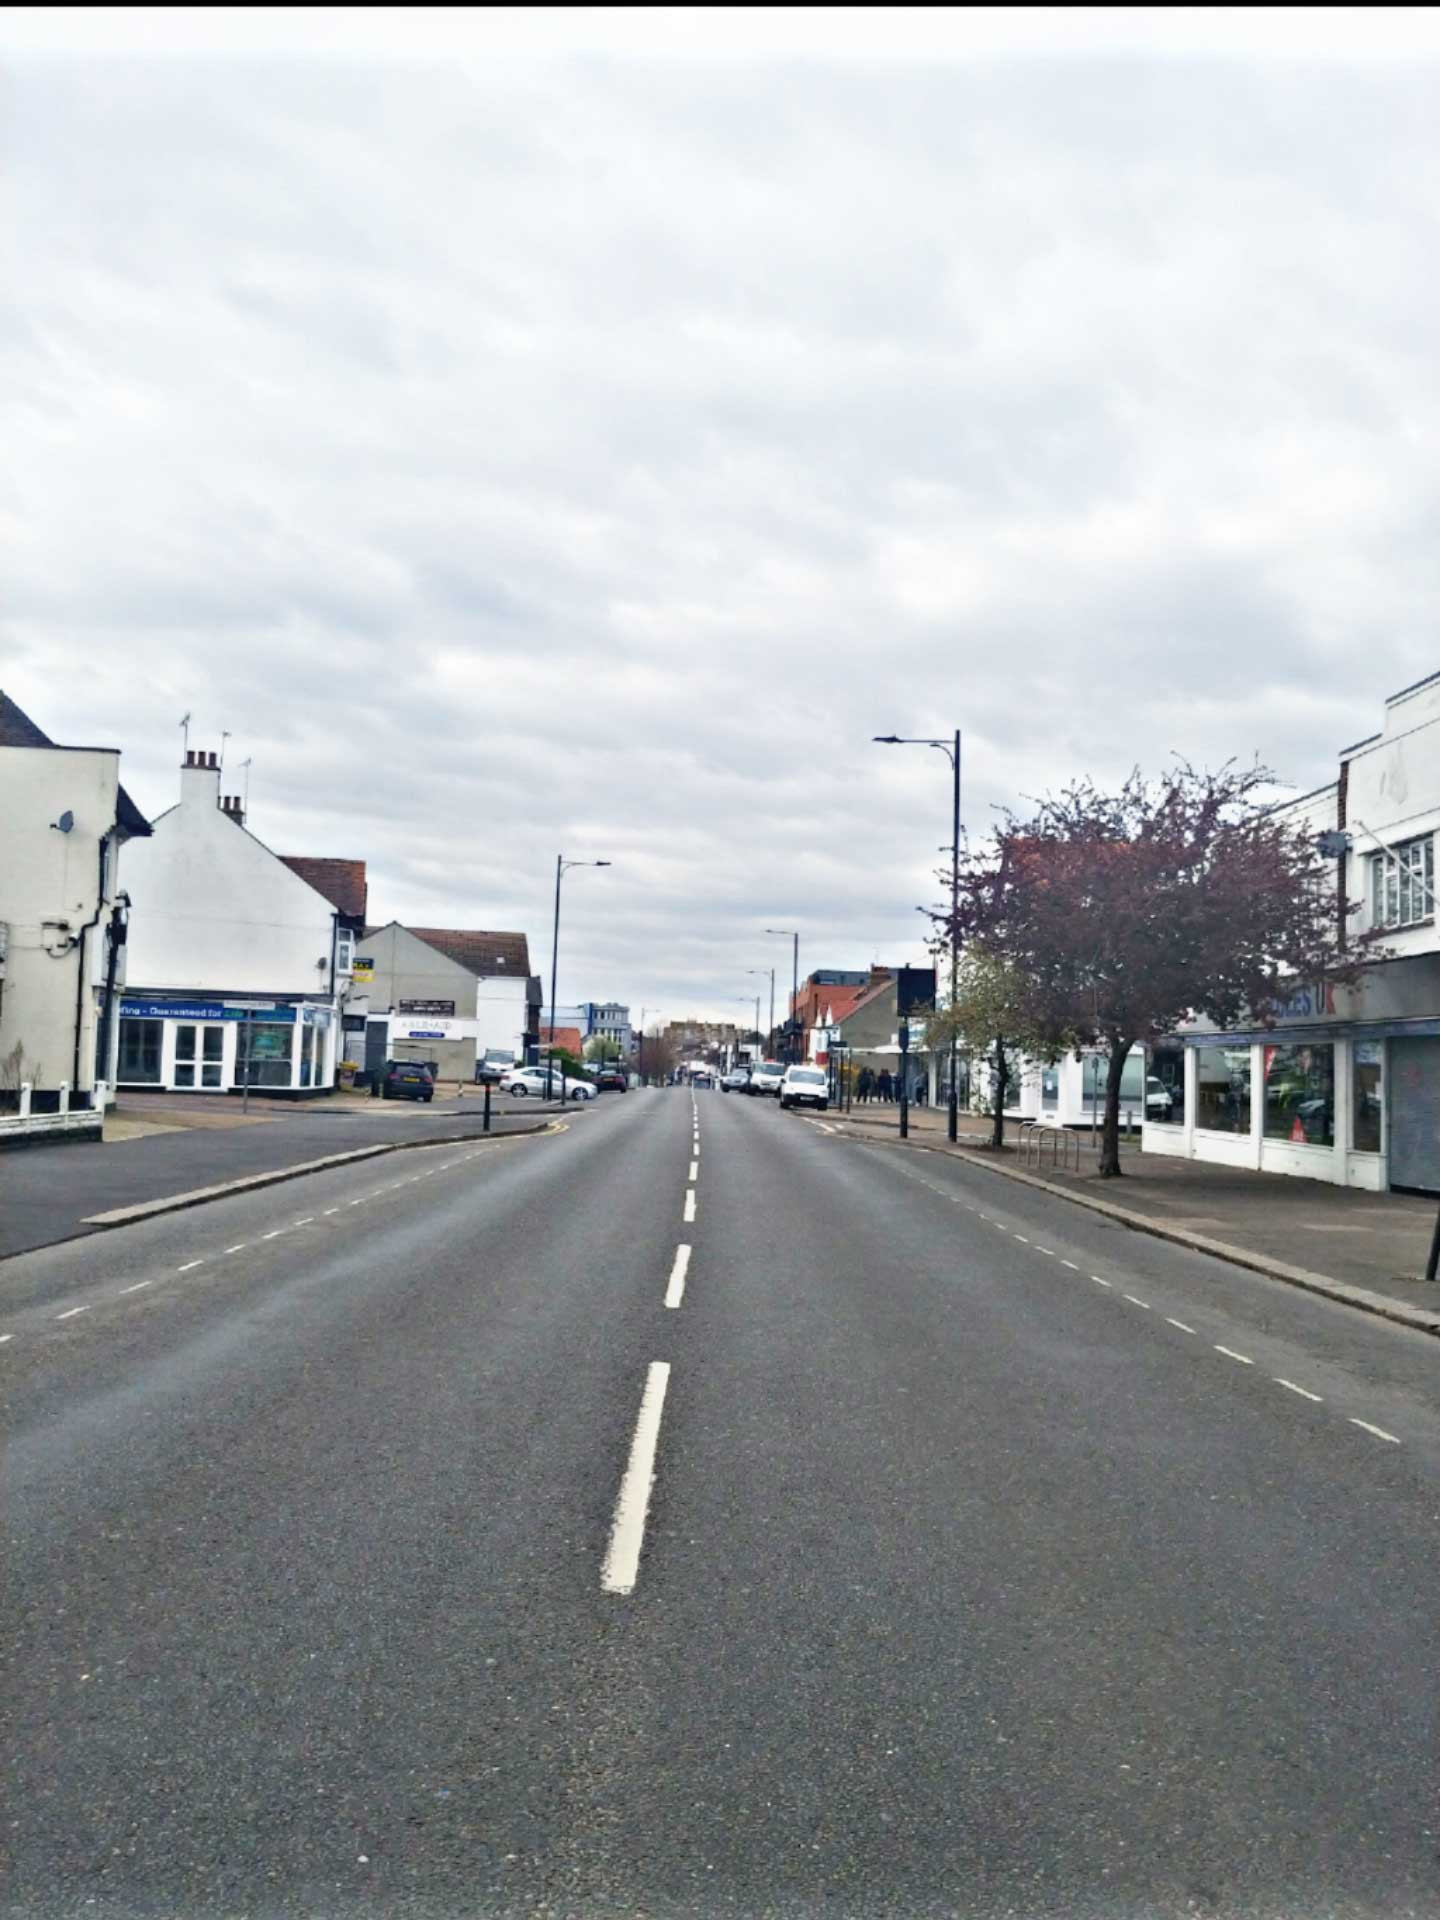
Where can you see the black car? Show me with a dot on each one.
(612, 1080)
(407, 1080)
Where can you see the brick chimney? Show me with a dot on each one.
(232, 807)
(200, 779)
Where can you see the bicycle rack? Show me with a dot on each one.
(1063, 1149)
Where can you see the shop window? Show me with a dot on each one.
(1096, 1077)
(1300, 1095)
(1369, 1083)
(1165, 1083)
(1402, 883)
(265, 1053)
(1222, 1089)
(1050, 1088)
(141, 1043)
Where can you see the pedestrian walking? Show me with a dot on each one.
(886, 1089)
(864, 1086)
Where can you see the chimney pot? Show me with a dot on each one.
(189, 756)
(212, 760)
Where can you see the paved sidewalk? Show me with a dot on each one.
(49, 1193)
(1374, 1240)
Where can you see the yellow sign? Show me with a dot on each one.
(363, 972)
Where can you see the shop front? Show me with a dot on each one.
(1344, 1088)
(177, 1045)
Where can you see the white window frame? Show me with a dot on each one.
(1402, 884)
(344, 950)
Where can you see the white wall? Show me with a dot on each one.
(1394, 790)
(214, 910)
(47, 877)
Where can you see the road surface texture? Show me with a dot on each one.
(997, 1562)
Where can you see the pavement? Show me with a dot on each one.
(1375, 1241)
(172, 1147)
(703, 1512)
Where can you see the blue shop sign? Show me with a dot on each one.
(200, 1010)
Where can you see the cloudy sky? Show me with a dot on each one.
(545, 437)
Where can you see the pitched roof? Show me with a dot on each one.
(840, 1001)
(342, 882)
(17, 729)
(484, 954)
(867, 995)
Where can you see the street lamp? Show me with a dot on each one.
(562, 867)
(952, 754)
(771, 972)
(784, 933)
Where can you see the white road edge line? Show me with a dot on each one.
(71, 1312)
(1230, 1354)
(627, 1534)
(689, 1206)
(1179, 1323)
(1379, 1432)
(137, 1286)
(1304, 1392)
(675, 1292)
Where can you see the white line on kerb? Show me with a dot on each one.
(627, 1534)
(1304, 1392)
(71, 1313)
(188, 1265)
(694, 1169)
(137, 1286)
(689, 1205)
(675, 1292)
(1230, 1354)
(1181, 1324)
(1379, 1432)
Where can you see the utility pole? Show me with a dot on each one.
(562, 867)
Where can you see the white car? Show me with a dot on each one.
(530, 1083)
(765, 1077)
(805, 1087)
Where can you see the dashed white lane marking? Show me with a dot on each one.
(332, 1209)
(1021, 1238)
(627, 1534)
(137, 1286)
(1136, 1303)
(694, 1169)
(689, 1205)
(1098, 1281)
(361, 1201)
(71, 1312)
(675, 1292)
(188, 1265)
(1071, 1264)
(1304, 1392)
(1181, 1324)
(1230, 1354)
(1049, 1252)
(4, 1337)
(308, 1221)
(239, 1247)
(1379, 1432)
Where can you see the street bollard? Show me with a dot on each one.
(487, 1106)
(1432, 1266)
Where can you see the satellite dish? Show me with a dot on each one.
(65, 822)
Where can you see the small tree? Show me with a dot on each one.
(1124, 913)
(992, 1015)
(601, 1048)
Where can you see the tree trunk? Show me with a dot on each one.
(1002, 1085)
(1110, 1168)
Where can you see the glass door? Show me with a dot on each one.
(199, 1050)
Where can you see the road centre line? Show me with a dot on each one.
(1136, 1303)
(621, 1566)
(675, 1292)
(1304, 1392)
(1180, 1324)
(188, 1265)
(308, 1221)
(4, 1337)
(1379, 1432)
(689, 1205)
(1098, 1281)
(71, 1312)
(694, 1169)
(137, 1286)
(1021, 1238)
(1230, 1354)
(1071, 1264)
(1049, 1252)
(239, 1247)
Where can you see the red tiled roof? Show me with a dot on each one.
(342, 882)
(484, 954)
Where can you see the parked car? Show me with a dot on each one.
(498, 1061)
(736, 1081)
(766, 1077)
(1160, 1101)
(407, 1080)
(612, 1079)
(805, 1087)
(530, 1083)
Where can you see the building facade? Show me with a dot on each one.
(1345, 1087)
(448, 995)
(235, 976)
(63, 924)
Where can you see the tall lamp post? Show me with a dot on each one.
(952, 754)
(562, 867)
(784, 933)
(771, 972)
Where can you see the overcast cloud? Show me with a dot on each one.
(589, 455)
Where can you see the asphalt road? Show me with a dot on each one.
(998, 1562)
